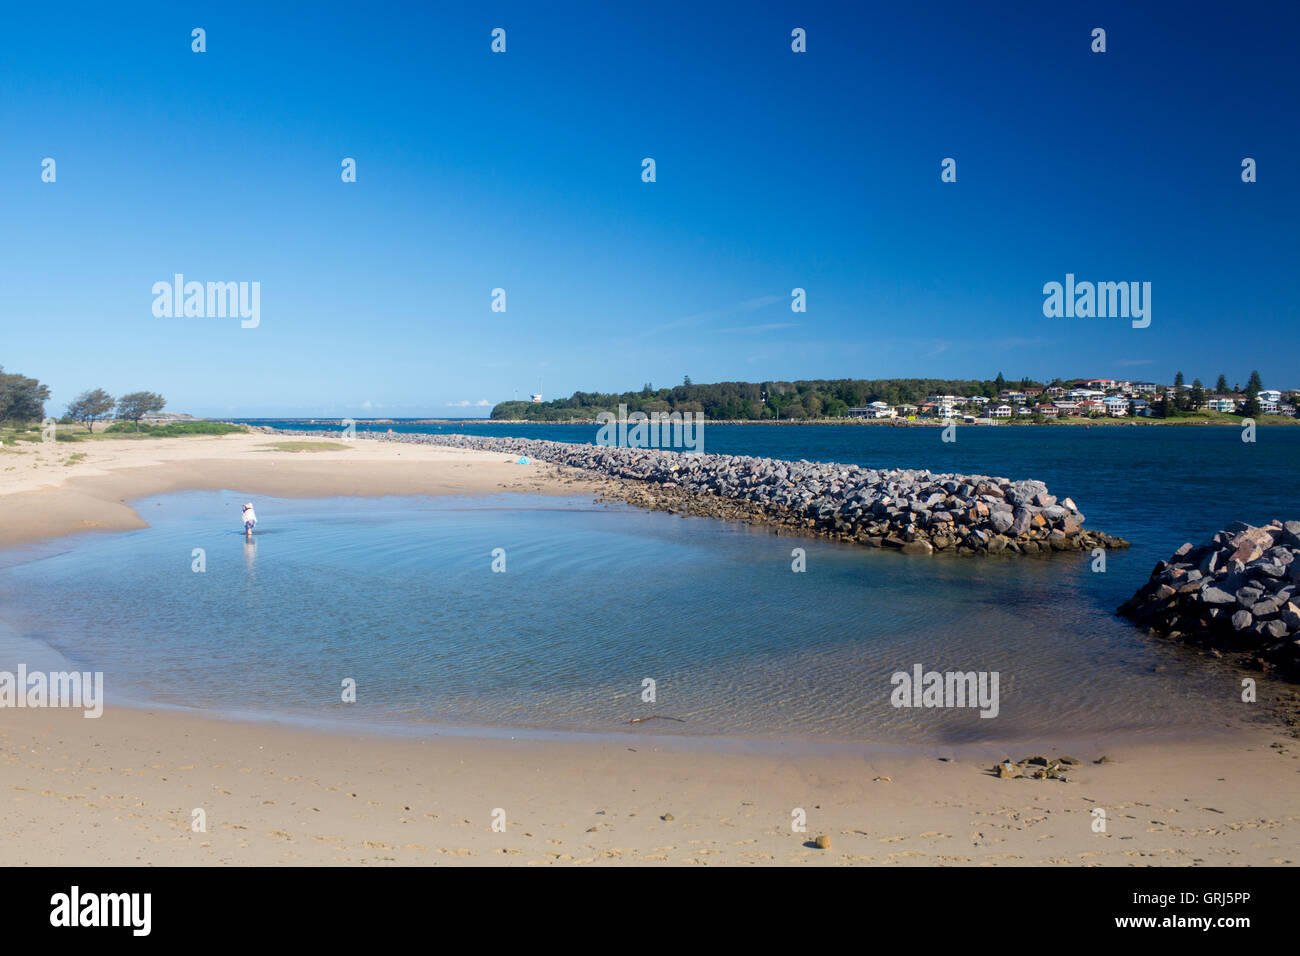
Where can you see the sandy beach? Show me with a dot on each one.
(122, 789)
(66, 488)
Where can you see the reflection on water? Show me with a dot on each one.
(399, 594)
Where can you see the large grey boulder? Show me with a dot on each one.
(1234, 592)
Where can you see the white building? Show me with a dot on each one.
(1116, 406)
(874, 410)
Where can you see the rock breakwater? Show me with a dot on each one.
(1236, 592)
(913, 511)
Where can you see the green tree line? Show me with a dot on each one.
(22, 399)
(1183, 398)
(825, 398)
(756, 401)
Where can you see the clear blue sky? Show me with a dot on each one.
(523, 171)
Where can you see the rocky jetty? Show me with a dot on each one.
(1235, 593)
(916, 512)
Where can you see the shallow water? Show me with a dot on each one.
(399, 595)
(1156, 485)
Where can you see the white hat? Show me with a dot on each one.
(248, 505)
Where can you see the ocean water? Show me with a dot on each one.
(398, 594)
(1156, 485)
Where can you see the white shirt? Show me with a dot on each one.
(250, 516)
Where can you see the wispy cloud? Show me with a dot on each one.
(1018, 342)
(767, 327)
(1005, 344)
(466, 403)
(749, 305)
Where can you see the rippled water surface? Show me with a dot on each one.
(399, 595)
(1157, 485)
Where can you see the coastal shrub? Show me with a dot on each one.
(174, 429)
(305, 446)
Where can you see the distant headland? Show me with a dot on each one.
(922, 400)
